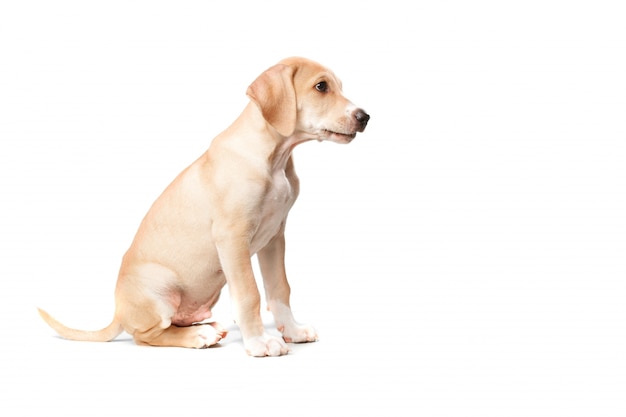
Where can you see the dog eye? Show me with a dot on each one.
(322, 87)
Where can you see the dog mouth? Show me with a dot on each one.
(345, 137)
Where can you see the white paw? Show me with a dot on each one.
(265, 345)
(299, 333)
(209, 334)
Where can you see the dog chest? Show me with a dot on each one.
(275, 206)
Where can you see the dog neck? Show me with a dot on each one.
(274, 148)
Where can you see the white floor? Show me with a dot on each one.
(462, 257)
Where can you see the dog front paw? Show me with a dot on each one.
(299, 333)
(265, 345)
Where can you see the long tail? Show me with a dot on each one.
(107, 334)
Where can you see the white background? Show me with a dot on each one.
(463, 256)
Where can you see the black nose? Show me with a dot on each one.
(362, 118)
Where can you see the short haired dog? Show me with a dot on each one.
(228, 205)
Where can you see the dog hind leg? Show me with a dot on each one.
(198, 336)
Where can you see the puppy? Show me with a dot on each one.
(228, 205)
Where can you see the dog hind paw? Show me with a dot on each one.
(209, 334)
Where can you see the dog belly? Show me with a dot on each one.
(193, 303)
(186, 295)
(191, 310)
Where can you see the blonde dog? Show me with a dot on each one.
(228, 205)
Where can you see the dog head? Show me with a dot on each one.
(301, 97)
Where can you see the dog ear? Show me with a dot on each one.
(274, 93)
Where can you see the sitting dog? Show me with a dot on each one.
(228, 205)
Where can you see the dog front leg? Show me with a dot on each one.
(277, 292)
(245, 299)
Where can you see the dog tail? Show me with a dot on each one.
(107, 334)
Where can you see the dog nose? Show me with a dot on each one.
(362, 118)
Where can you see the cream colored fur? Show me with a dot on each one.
(228, 205)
